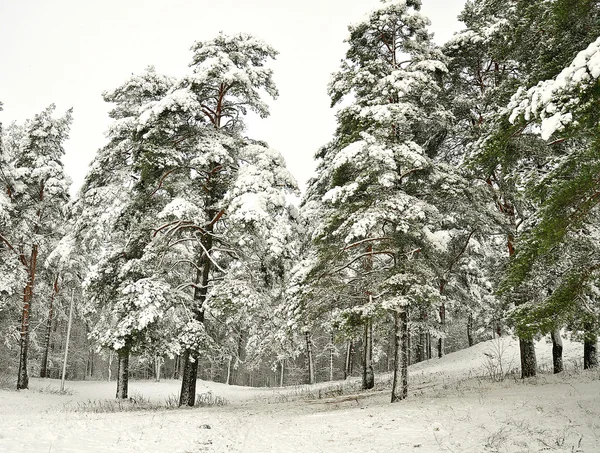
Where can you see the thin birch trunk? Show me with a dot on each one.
(64, 368)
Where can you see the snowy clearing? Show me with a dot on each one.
(450, 410)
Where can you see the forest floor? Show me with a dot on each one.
(460, 403)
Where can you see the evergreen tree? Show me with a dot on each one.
(37, 194)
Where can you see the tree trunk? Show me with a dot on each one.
(309, 357)
(400, 383)
(110, 359)
(347, 371)
(44, 365)
(557, 351)
(22, 376)
(470, 330)
(64, 368)
(90, 363)
(421, 344)
(528, 361)
(368, 381)
(590, 351)
(331, 354)
(176, 366)
(282, 364)
(123, 373)
(228, 380)
(441, 346)
(157, 367)
(187, 397)
(429, 352)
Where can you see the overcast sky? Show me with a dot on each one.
(70, 51)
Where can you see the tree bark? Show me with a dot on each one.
(331, 354)
(528, 360)
(110, 359)
(348, 357)
(157, 367)
(176, 366)
(228, 380)
(470, 330)
(123, 373)
(44, 365)
(441, 346)
(590, 351)
(557, 351)
(309, 357)
(22, 376)
(368, 381)
(400, 383)
(429, 354)
(187, 397)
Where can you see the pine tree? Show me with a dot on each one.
(388, 218)
(37, 194)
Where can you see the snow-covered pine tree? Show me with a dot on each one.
(561, 246)
(216, 194)
(11, 270)
(388, 215)
(485, 70)
(38, 192)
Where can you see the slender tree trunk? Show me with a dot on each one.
(44, 365)
(557, 351)
(228, 380)
(528, 360)
(110, 359)
(470, 330)
(331, 354)
(420, 356)
(441, 346)
(348, 357)
(429, 352)
(400, 383)
(176, 367)
(64, 368)
(282, 364)
(22, 376)
(590, 350)
(368, 381)
(352, 358)
(123, 373)
(309, 357)
(91, 362)
(157, 367)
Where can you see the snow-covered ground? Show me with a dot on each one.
(450, 409)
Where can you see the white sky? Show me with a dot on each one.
(70, 51)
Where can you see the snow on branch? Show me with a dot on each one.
(554, 100)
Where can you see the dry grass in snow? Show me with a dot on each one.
(461, 403)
